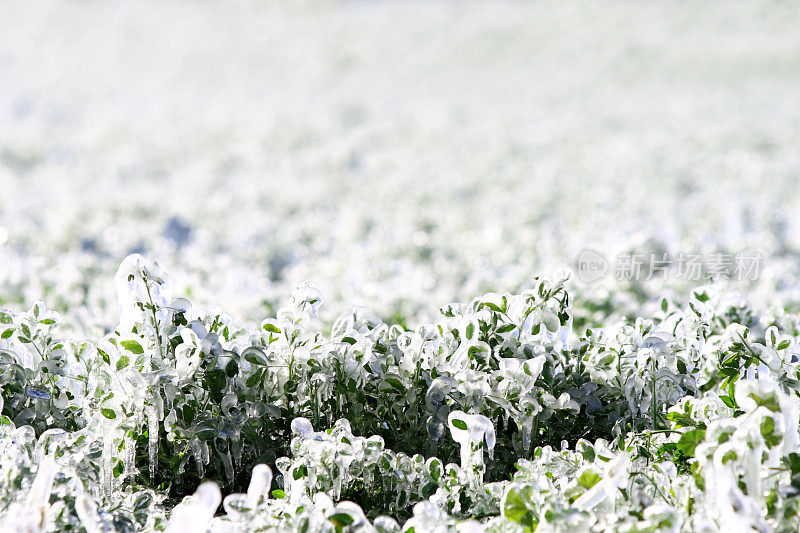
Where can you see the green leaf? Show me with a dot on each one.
(271, 328)
(48, 321)
(506, 328)
(255, 356)
(396, 384)
(783, 344)
(770, 402)
(254, 378)
(519, 508)
(132, 346)
(341, 520)
(703, 297)
(108, 413)
(681, 419)
(727, 400)
(215, 380)
(460, 424)
(118, 468)
(278, 494)
(188, 413)
(123, 362)
(205, 430)
(491, 306)
(299, 472)
(588, 479)
(689, 441)
(768, 432)
(793, 461)
(7, 333)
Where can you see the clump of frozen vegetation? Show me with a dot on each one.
(500, 416)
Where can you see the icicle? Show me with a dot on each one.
(197, 452)
(225, 457)
(294, 488)
(129, 460)
(108, 461)
(158, 401)
(337, 488)
(152, 440)
(236, 450)
(206, 453)
(527, 430)
(490, 439)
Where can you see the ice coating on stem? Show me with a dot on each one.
(32, 515)
(87, 512)
(194, 514)
(260, 482)
(39, 495)
(138, 280)
(470, 431)
(295, 488)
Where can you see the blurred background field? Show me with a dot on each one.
(397, 155)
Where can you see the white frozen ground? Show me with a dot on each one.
(398, 155)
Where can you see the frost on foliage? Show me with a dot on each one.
(498, 415)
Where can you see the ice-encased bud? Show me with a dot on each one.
(306, 298)
(302, 426)
(385, 524)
